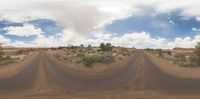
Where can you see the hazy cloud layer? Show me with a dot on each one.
(84, 21)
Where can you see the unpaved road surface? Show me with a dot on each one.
(141, 79)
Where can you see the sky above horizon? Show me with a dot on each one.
(130, 23)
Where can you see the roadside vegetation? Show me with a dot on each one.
(196, 57)
(178, 59)
(89, 55)
(4, 60)
(89, 59)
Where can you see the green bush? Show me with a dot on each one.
(106, 47)
(149, 50)
(90, 59)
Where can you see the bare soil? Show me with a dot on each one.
(146, 77)
(14, 68)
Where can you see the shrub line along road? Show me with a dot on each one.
(142, 73)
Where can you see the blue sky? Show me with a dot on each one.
(49, 28)
(168, 25)
(134, 24)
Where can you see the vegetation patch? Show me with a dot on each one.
(106, 47)
(178, 59)
(89, 59)
(4, 60)
(105, 53)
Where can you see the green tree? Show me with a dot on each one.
(81, 45)
(106, 47)
(197, 52)
(102, 46)
(89, 46)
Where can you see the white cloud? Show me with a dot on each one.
(21, 44)
(81, 17)
(184, 42)
(4, 40)
(138, 40)
(194, 29)
(160, 24)
(85, 16)
(24, 31)
(172, 22)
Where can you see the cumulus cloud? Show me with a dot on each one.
(21, 44)
(195, 29)
(85, 16)
(24, 31)
(80, 17)
(184, 42)
(4, 40)
(135, 39)
(172, 22)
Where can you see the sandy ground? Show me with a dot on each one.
(175, 70)
(139, 86)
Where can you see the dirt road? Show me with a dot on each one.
(44, 78)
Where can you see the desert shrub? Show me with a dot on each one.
(1, 58)
(180, 57)
(128, 54)
(78, 61)
(1, 53)
(53, 48)
(169, 52)
(8, 57)
(120, 58)
(106, 47)
(74, 47)
(7, 60)
(124, 54)
(149, 50)
(160, 55)
(192, 60)
(89, 59)
(108, 59)
(197, 52)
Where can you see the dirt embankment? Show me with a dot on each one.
(14, 68)
(174, 70)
